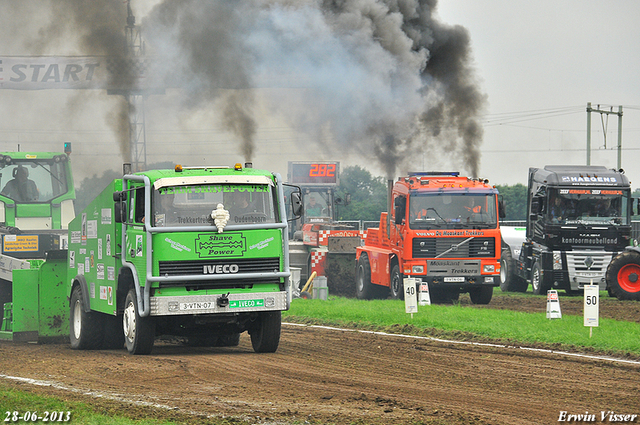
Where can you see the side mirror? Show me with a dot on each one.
(399, 210)
(537, 205)
(120, 212)
(296, 204)
(502, 211)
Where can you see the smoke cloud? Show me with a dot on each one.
(362, 78)
(381, 77)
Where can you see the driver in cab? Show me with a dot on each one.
(241, 204)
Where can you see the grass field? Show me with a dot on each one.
(615, 338)
(456, 321)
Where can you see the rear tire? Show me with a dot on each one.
(364, 287)
(444, 295)
(229, 340)
(113, 335)
(536, 280)
(139, 331)
(85, 329)
(623, 276)
(396, 286)
(481, 295)
(265, 335)
(509, 281)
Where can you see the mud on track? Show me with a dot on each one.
(333, 376)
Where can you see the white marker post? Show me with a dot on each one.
(553, 305)
(591, 306)
(423, 294)
(410, 296)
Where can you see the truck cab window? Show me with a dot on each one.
(33, 180)
(192, 205)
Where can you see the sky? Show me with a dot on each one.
(535, 64)
(540, 63)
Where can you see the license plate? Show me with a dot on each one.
(196, 306)
(454, 279)
(588, 274)
(246, 303)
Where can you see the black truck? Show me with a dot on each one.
(578, 219)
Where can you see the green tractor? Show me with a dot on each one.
(36, 206)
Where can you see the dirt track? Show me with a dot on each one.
(333, 376)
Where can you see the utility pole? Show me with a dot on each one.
(137, 131)
(610, 112)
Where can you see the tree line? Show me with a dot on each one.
(368, 193)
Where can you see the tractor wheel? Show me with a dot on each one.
(364, 287)
(509, 281)
(396, 286)
(139, 332)
(85, 329)
(536, 280)
(265, 335)
(623, 276)
(481, 295)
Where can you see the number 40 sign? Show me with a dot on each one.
(591, 305)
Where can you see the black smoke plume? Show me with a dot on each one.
(367, 79)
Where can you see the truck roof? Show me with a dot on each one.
(579, 175)
(31, 155)
(207, 174)
(443, 181)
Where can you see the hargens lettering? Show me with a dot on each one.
(220, 245)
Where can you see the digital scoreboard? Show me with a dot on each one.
(314, 173)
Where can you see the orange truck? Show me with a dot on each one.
(443, 229)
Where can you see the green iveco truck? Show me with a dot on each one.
(196, 252)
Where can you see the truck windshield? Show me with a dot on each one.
(192, 205)
(446, 210)
(588, 206)
(34, 181)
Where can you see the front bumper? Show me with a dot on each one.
(216, 304)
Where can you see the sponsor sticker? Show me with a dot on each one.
(246, 303)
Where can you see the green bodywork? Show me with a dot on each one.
(33, 296)
(200, 263)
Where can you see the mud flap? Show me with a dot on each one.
(340, 272)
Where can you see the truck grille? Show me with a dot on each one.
(231, 267)
(591, 264)
(433, 247)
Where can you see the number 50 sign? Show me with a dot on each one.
(591, 305)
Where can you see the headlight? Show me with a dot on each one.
(489, 268)
(417, 269)
(557, 261)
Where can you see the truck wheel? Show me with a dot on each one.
(202, 340)
(113, 335)
(481, 295)
(85, 329)
(364, 287)
(444, 295)
(265, 336)
(396, 286)
(536, 280)
(229, 340)
(139, 332)
(509, 281)
(623, 276)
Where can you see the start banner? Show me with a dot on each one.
(72, 72)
